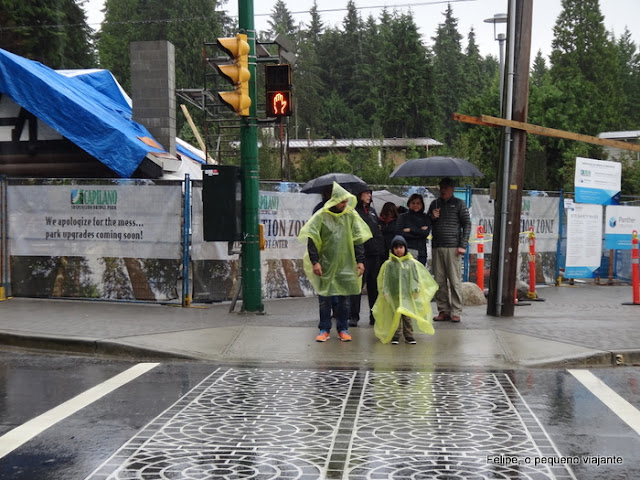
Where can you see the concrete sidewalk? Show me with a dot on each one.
(575, 326)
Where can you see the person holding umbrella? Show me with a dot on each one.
(451, 229)
(334, 262)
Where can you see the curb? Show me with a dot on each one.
(90, 347)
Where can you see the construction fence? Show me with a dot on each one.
(142, 240)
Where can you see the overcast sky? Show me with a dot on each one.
(427, 14)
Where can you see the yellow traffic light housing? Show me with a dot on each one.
(237, 73)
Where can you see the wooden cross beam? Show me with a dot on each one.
(488, 121)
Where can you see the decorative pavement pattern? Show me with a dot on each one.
(243, 423)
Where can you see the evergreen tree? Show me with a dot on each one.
(315, 26)
(187, 24)
(584, 94)
(448, 74)
(336, 117)
(539, 70)
(404, 79)
(341, 54)
(367, 79)
(476, 80)
(629, 64)
(281, 21)
(307, 79)
(584, 65)
(481, 145)
(54, 33)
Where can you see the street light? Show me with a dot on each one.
(500, 37)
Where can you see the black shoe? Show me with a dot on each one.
(410, 340)
(353, 323)
(395, 341)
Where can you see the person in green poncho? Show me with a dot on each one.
(334, 261)
(405, 290)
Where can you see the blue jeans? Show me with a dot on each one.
(340, 305)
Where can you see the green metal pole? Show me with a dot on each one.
(251, 275)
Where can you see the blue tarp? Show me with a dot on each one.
(97, 123)
(104, 82)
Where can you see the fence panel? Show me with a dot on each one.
(104, 239)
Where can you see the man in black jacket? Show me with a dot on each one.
(451, 226)
(373, 250)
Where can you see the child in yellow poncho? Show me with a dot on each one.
(405, 290)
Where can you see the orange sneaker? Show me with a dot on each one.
(344, 336)
(323, 336)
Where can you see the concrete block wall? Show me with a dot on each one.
(153, 87)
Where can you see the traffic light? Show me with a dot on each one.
(278, 88)
(237, 73)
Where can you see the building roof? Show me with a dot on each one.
(624, 135)
(363, 143)
(86, 109)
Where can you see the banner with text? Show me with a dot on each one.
(597, 181)
(584, 240)
(620, 224)
(541, 213)
(139, 221)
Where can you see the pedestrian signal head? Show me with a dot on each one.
(278, 90)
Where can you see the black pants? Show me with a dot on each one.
(370, 279)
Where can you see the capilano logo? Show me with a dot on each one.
(94, 197)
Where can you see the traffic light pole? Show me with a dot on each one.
(251, 275)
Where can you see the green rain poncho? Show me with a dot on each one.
(405, 287)
(334, 235)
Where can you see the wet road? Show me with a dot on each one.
(74, 418)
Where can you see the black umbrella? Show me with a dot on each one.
(345, 180)
(437, 167)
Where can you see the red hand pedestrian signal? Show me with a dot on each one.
(278, 89)
(278, 104)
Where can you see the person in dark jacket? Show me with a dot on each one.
(373, 250)
(388, 218)
(451, 229)
(415, 227)
(326, 195)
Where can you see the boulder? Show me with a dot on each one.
(472, 294)
(523, 290)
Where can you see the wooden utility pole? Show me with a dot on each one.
(502, 291)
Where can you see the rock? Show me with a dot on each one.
(523, 290)
(472, 294)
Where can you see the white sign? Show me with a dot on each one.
(597, 181)
(584, 241)
(620, 223)
(139, 221)
(541, 213)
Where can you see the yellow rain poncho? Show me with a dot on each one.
(405, 287)
(334, 235)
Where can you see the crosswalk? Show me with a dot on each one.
(27, 431)
(245, 422)
(618, 405)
